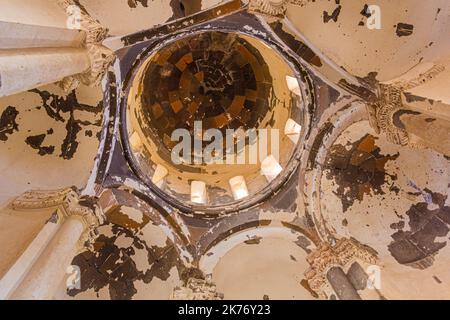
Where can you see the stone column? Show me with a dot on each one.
(341, 284)
(326, 275)
(408, 119)
(15, 35)
(78, 219)
(25, 69)
(424, 129)
(47, 273)
(33, 56)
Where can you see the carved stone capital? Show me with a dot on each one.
(343, 254)
(100, 56)
(70, 205)
(269, 7)
(197, 289)
(381, 113)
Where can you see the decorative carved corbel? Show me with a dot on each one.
(70, 204)
(343, 254)
(100, 56)
(269, 7)
(381, 113)
(197, 289)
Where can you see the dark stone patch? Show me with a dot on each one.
(56, 106)
(397, 226)
(112, 266)
(88, 202)
(255, 240)
(404, 29)
(413, 98)
(184, 8)
(437, 13)
(36, 143)
(437, 279)
(70, 143)
(305, 284)
(370, 79)
(334, 15)
(397, 116)
(303, 242)
(287, 200)
(134, 3)
(360, 91)
(8, 122)
(178, 10)
(359, 171)
(366, 12)
(417, 246)
(266, 297)
(293, 258)
(88, 133)
(296, 45)
(117, 217)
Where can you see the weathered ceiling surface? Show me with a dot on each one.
(358, 206)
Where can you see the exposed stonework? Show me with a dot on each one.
(197, 289)
(100, 56)
(343, 254)
(381, 113)
(70, 203)
(428, 224)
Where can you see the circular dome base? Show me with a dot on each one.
(237, 100)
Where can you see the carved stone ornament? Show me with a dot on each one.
(343, 254)
(381, 113)
(197, 289)
(269, 7)
(100, 56)
(70, 204)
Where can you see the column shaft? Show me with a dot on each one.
(25, 69)
(47, 273)
(341, 284)
(432, 131)
(15, 35)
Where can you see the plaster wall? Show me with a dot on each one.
(360, 50)
(49, 139)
